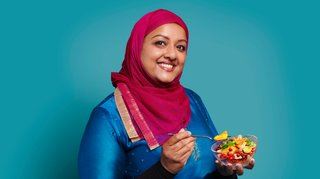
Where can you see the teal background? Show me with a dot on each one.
(254, 63)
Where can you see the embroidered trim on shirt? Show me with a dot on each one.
(130, 103)
(125, 116)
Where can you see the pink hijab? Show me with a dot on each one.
(165, 108)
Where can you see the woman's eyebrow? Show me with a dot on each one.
(159, 35)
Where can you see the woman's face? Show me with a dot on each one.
(164, 52)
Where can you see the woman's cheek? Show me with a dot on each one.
(157, 54)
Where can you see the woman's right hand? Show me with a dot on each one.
(176, 151)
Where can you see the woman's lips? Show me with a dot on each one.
(166, 67)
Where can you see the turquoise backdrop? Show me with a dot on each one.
(254, 63)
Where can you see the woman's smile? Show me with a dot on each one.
(167, 67)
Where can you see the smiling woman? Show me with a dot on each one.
(127, 135)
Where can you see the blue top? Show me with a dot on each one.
(107, 152)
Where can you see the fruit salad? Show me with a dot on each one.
(234, 150)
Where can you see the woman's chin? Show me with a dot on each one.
(165, 80)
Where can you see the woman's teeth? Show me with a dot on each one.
(166, 67)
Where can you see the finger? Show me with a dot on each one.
(179, 136)
(223, 169)
(218, 163)
(186, 149)
(251, 164)
(221, 166)
(239, 169)
(181, 158)
(183, 143)
(186, 156)
(171, 139)
(226, 170)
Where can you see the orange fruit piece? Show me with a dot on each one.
(222, 136)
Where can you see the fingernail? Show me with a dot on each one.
(252, 162)
(181, 130)
(189, 132)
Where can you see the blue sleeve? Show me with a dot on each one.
(100, 154)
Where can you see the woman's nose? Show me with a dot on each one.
(170, 53)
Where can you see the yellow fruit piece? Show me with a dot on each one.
(222, 136)
(247, 149)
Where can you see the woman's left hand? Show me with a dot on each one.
(227, 170)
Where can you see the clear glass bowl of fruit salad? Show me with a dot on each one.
(235, 150)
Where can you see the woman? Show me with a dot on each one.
(144, 128)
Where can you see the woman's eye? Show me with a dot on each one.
(160, 43)
(181, 48)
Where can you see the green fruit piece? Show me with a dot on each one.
(224, 146)
(231, 143)
(247, 149)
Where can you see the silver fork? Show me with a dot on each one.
(197, 136)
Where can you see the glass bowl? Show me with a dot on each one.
(235, 150)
